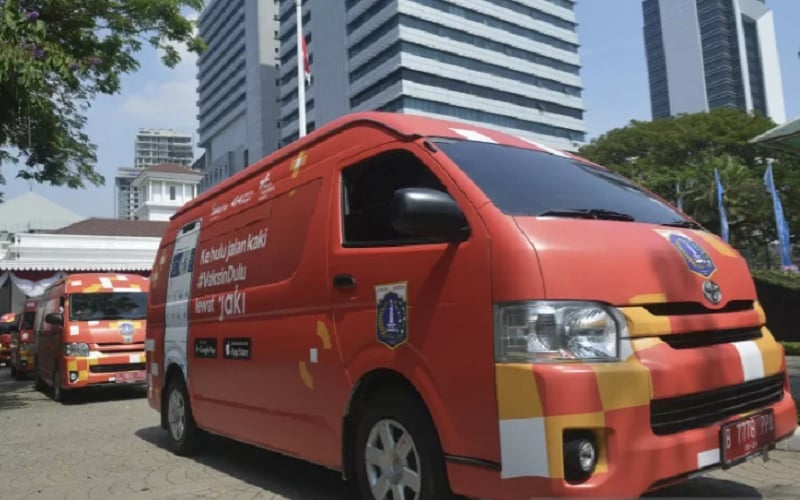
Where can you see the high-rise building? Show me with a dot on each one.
(508, 64)
(237, 88)
(707, 54)
(154, 146)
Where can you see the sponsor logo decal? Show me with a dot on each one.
(265, 186)
(205, 348)
(391, 311)
(237, 348)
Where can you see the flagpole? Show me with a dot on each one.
(301, 82)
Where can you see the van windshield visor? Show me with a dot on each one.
(524, 182)
(107, 306)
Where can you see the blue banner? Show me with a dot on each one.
(723, 217)
(780, 220)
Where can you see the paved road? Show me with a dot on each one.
(107, 445)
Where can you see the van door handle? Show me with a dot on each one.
(344, 281)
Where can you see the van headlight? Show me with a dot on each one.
(77, 349)
(542, 331)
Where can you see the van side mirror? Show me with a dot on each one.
(428, 213)
(54, 319)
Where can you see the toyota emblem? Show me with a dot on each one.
(712, 292)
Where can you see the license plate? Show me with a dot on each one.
(747, 436)
(129, 377)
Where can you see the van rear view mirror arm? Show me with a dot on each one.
(425, 213)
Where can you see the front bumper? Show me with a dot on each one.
(23, 361)
(537, 405)
(125, 368)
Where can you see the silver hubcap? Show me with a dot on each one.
(176, 415)
(392, 461)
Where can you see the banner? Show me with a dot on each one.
(723, 217)
(780, 220)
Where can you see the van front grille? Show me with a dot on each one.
(682, 413)
(705, 339)
(126, 367)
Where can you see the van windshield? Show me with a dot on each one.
(107, 306)
(524, 182)
(27, 320)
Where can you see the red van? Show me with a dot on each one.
(432, 307)
(92, 332)
(22, 342)
(9, 323)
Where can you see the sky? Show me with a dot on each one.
(614, 77)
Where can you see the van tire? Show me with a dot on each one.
(404, 414)
(38, 382)
(59, 393)
(182, 433)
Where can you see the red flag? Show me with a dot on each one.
(306, 63)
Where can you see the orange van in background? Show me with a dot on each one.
(431, 307)
(9, 323)
(22, 342)
(92, 332)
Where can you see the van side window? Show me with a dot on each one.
(367, 191)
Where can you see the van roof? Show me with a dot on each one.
(105, 282)
(406, 126)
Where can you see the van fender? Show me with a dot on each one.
(408, 363)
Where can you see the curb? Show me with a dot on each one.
(791, 443)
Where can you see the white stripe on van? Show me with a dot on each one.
(473, 135)
(752, 360)
(523, 448)
(550, 150)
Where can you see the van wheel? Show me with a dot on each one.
(38, 382)
(184, 436)
(397, 451)
(59, 394)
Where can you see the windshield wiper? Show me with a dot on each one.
(588, 213)
(683, 223)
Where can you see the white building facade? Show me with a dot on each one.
(163, 189)
(707, 54)
(511, 65)
(237, 89)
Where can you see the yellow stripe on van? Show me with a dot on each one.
(517, 393)
(623, 385)
(716, 243)
(762, 316)
(641, 323)
(648, 298)
(771, 352)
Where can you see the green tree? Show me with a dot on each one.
(679, 154)
(56, 56)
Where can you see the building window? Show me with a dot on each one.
(246, 158)
(172, 192)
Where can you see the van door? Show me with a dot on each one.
(179, 287)
(49, 340)
(423, 309)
